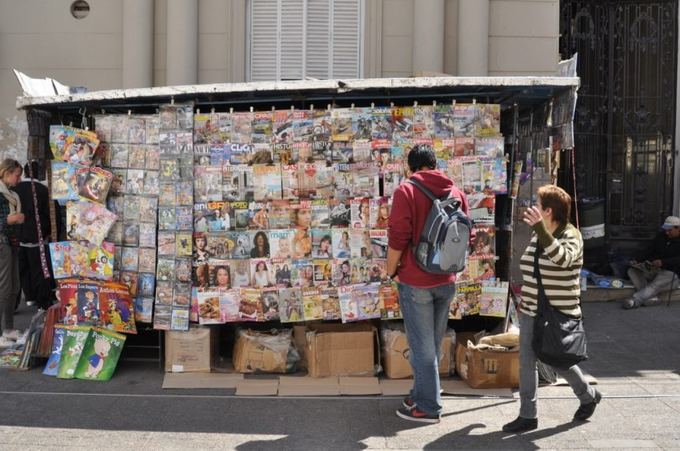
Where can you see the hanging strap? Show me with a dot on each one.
(542, 298)
(41, 241)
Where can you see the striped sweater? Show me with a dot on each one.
(560, 265)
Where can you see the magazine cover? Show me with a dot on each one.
(201, 217)
(481, 269)
(80, 146)
(71, 350)
(484, 245)
(463, 146)
(136, 130)
(241, 127)
(282, 272)
(230, 179)
(146, 284)
(117, 308)
(381, 125)
(366, 179)
(330, 303)
(167, 218)
(267, 181)
(239, 212)
(282, 127)
(312, 304)
(464, 118)
(320, 146)
(59, 134)
(281, 243)
(119, 129)
(230, 301)
(152, 123)
(379, 212)
(261, 127)
(360, 212)
(378, 238)
(103, 124)
(302, 243)
(494, 175)
(246, 182)
(183, 244)
(322, 243)
(360, 270)
(367, 300)
(184, 193)
(258, 216)
(488, 120)
(60, 255)
(162, 317)
(443, 121)
(389, 301)
(64, 181)
(320, 213)
(239, 153)
(219, 273)
(261, 273)
(290, 305)
(212, 183)
(340, 213)
(167, 140)
(250, 306)
(301, 214)
(240, 273)
(303, 126)
(362, 121)
(279, 214)
(179, 319)
(341, 120)
(469, 299)
(302, 273)
(423, 125)
(131, 208)
(147, 260)
(262, 154)
(493, 300)
(204, 124)
(323, 272)
(343, 152)
(444, 149)
(52, 365)
(218, 245)
(209, 307)
(185, 143)
(270, 304)
(342, 272)
(144, 309)
(289, 181)
(349, 310)
(340, 240)
(360, 243)
(100, 355)
(392, 177)
(482, 207)
(88, 303)
(169, 170)
(307, 179)
(242, 244)
(490, 147)
(100, 261)
(472, 175)
(88, 221)
(166, 196)
(67, 293)
(402, 122)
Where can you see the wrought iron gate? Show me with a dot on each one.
(625, 116)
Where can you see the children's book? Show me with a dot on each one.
(88, 303)
(52, 365)
(88, 221)
(100, 355)
(100, 261)
(117, 308)
(61, 257)
(64, 181)
(72, 349)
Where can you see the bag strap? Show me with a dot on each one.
(542, 298)
(429, 194)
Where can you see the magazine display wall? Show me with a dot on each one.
(279, 215)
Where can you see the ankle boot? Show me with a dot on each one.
(521, 425)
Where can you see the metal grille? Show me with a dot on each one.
(625, 116)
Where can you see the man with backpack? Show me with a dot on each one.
(424, 264)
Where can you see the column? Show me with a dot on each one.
(182, 42)
(428, 36)
(137, 43)
(473, 37)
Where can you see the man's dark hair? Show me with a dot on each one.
(421, 156)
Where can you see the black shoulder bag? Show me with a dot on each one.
(559, 339)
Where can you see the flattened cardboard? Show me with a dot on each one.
(461, 388)
(201, 380)
(341, 350)
(257, 387)
(308, 386)
(396, 387)
(191, 351)
(359, 386)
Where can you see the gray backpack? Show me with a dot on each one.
(444, 240)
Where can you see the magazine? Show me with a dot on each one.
(183, 270)
(267, 181)
(488, 120)
(87, 297)
(279, 214)
(367, 300)
(442, 116)
(484, 245)
(402, 122)
(242, 244)
(366, 179)
(389, 301)
(241, 128)
(302, 273)
(230, 301)
(464, 118)
(379, 241)
(116, 307)
(360, 212)
(88, 221)
(493, 299)
(490, 147)
(289, 181)
(322, 243)
(290, 305)
(261, 127)
(72, 348)
(343, 152)
(250, 307)
(258, 216)
(282, 272)
(423, 125)
(320, 213)
(100, 355)
(341, 119)
(230, 182)
(340, 213)
(270, 304)
(100, 261)
(312, 304)
(281, 243)
(349, 310)
(64, 181)
(282, 127)
(209, 307)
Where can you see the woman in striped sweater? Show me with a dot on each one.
(560, 250)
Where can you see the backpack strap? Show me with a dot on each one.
(429, 194)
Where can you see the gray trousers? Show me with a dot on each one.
(528, 375)
(645, 288)
(9, 285)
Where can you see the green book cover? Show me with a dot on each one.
(74, 341)
(100, 355)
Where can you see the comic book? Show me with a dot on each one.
(183, 269)
(493, 299)
(100, 261)
(146, 284)
(241, 127)
(101, 350)
(144, 309)
(423, 125)
(167, 218)
(464, 119)
(71, 350)
(130, 278)
(469, 298)
(87, 295)
(290, 305)
(230, 179)
(60, 255)
(484, 245)
(389, 301)
(250, 306)
(209, 307)
(488, 121)
(279, 214)
(179, 319)
(281, 243)
(130, 259)
(52, 365)
(270, 304)
(147, 260)
(311, 303)
(79, 147)
(366, 179)
(402, 122)
(88, 221)
(302, 273)
(162, 317)
(267, 181)
(116, 307)
(230, 301)
(64, 182)
(119, 155)
(289, 181)
(323, 272)
(57, 139)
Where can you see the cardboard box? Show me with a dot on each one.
(261, 352)
(342, 350)
(396, 355)
(191, 351)
(485, 368)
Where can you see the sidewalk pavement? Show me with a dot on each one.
(635, 356)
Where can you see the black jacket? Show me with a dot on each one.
(667, 250)
(28, 231)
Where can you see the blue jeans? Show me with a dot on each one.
(426, 313)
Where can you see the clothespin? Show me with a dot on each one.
(434, 103)
(129, 113)
(391, 104)
(329, 107)
(311, 107)
(198, 111)
(252, 109)
(453, 102)
(292, 108)
(212, 110)
(351, 106)
(231, 109)
(172, 100)
(415, 103)
(372, 105)
(474, 101)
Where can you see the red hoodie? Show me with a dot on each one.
(410, 208)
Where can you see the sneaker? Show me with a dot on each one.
(408, 402)
(519, 425)
(6, 342)
(630, 304)
(651, 302)
(585, 411)
(415, 414)
(12, 334)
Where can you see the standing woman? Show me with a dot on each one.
(10, 216)
(560, 249)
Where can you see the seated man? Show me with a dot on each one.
(659, 271)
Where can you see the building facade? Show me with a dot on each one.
(110, 44)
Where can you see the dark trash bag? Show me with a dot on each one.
(559, 339)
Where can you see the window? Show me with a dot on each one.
(294, 39)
